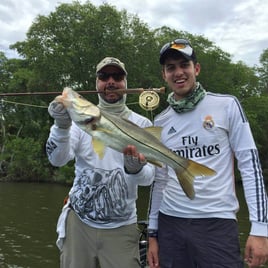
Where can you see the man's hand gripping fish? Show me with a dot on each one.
(115, 132)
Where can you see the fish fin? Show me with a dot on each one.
(186, 177)
(156, 163)
(98, 147)
(155, 131)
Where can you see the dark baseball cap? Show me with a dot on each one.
(181, 46)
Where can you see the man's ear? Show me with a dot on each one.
(197, 68)
(163, 74)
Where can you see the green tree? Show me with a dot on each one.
(263, 71)
(257, 113)
(4, 74)
(66, 45)
(23, 161)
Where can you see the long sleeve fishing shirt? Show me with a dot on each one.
(103, 195)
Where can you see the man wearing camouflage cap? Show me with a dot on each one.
(97, 226)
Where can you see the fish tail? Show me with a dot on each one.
(186, 180)
(186, 177)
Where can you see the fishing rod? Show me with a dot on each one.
(128, 91)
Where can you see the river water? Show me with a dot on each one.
(28, 217)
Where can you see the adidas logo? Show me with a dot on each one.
(172, 130)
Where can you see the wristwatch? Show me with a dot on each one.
(152, 233)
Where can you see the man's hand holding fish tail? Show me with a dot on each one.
(133, 161)
(60, 114)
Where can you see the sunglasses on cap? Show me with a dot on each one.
(116, 76)
(180, 45)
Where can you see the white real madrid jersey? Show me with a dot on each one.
(212, 134)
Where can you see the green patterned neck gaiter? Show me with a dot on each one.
(188, 103)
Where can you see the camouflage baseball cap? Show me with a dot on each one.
(111, 61)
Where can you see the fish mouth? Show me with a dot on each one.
(82, 111)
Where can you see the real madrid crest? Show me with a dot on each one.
(208, 122)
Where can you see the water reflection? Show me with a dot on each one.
(28, 222)
(28, 218)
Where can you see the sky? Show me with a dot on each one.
(238, 27)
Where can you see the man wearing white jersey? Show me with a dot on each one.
(211, 129)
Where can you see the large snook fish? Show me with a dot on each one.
(116, 132)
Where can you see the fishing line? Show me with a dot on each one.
(24, 104)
